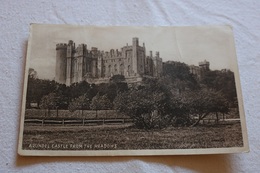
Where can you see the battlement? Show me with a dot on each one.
(82, 45)
(61, 46)
(203, 63)
(157, 54)
(135, 41)
(112, 54)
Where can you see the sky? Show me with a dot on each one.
(185, 44)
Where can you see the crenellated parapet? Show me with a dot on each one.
(112, 54)
(204, 65)
(61, 46)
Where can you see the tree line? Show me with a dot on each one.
(177, 98)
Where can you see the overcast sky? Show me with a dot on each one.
(185, 44)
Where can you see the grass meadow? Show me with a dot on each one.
(126, 136)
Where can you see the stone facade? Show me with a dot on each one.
(75, 64)
(200, 70)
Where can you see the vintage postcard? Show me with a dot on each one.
(117, 90)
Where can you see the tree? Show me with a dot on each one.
(78, 89)
(116, 85)
(100, 102)
(179, 75)
(222, 81)
(82, 102)
(62, 91)
(117, 78)
(150, 106)
(50, 101)
(203, 102)
(37, 88)
(32, 73)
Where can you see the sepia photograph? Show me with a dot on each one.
(124, 90)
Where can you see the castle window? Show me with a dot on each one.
(121, 69)
(115, 67)
(103, 71)
(109, 68)
(128, 70)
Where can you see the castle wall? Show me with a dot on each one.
(70, 63)
(82, 64)
(80, 58)
(148, 66)
(135, 57)
(61, 63)
(127, 53)
(140, 61)
(100, 65)
(200, 70)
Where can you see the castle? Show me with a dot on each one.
(200, 70)
(75, 64)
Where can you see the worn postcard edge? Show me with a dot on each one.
(141, 152)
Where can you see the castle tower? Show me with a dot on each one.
(100, 65)
(157, 54)
(143, 62)
(81, 51)
(70, 65)
(134, 56)
(94, 61)
(159, 64)
(155, 64)
(204, 65)
(61, 63)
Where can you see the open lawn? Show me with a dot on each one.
(125, 136)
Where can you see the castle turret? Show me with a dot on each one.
(204, 65)
(157, 54)
(143, 60)
(151, 54)
(94, 61)
(100, 65)
(81, 61)
(61, 63)
(134, 57)
(70, 65)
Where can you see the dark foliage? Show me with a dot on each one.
(222, 81)
(177, 98)
(179, 76)
(37, 88)
(151, 105)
